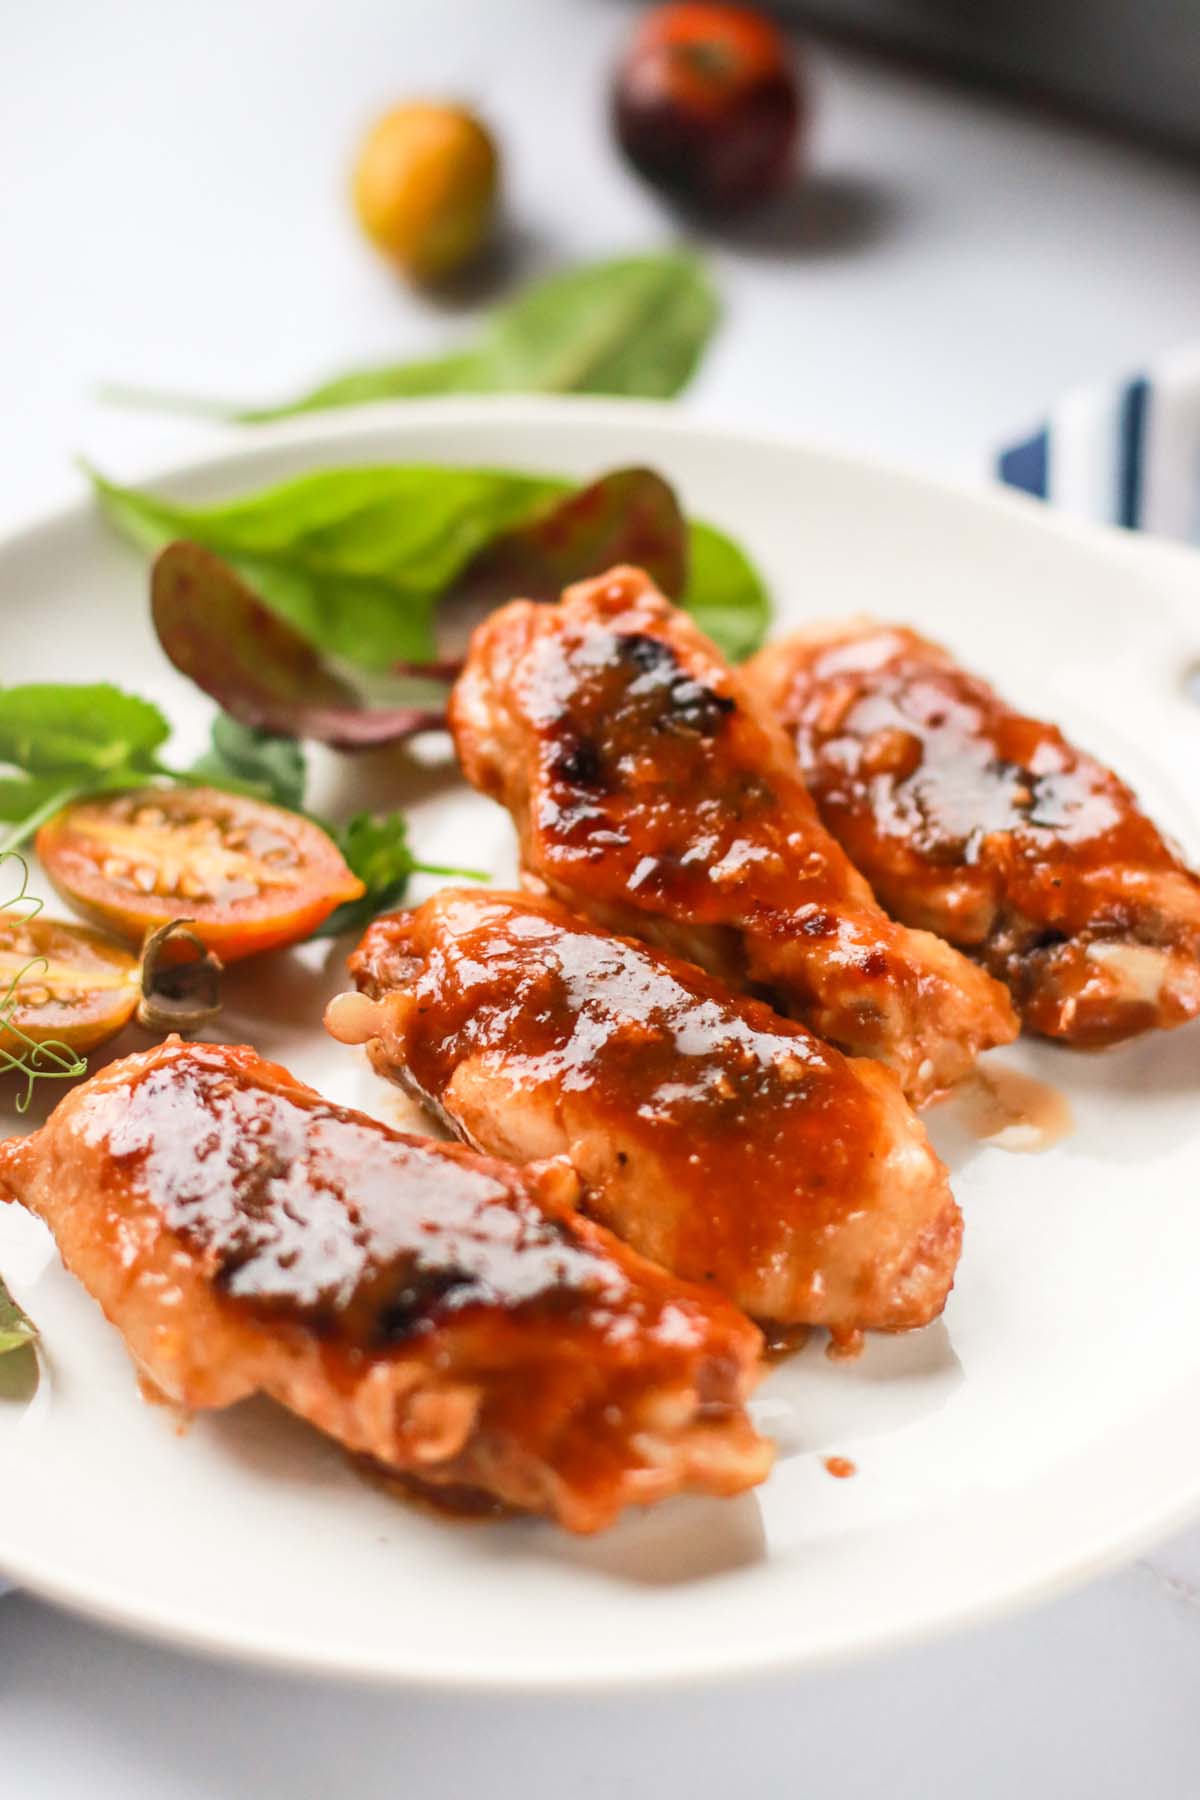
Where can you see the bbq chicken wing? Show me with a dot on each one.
(989, 828)
(448, 1316)
(649, 794)
(713, 1135)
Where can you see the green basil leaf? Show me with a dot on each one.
(354, 558)
(254, 761)
(16, 1328)
(358, 559)
(53, 728)
(462, 373)
(725, 593)
(635, 325)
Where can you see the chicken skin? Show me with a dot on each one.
(649, 794)
(713, 1135)
(446, 1315)
(988, 827)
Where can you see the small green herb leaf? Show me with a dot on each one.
(56, 728)
(376, 847)
(258, 762)
(635, 325)
(68, 738)
(16, 1328)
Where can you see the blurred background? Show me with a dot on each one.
(1130, 64)
(970, 231)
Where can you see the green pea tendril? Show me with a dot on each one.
(47, 1059)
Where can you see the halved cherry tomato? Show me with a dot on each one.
(72, 984)
(249, 876)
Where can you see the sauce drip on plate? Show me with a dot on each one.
(1012, 1111)
(841, 1467)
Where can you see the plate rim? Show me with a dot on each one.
(232, 449)
(698, 1672)
(232, 443)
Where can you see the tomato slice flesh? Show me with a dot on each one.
(66, 983)
(249, 875)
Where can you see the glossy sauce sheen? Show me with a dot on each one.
(716, 1136)
(651, 794)
(990, 828)
(658, 1050)
(887, 726)
(307, 1212)
(645, 778)
(451, 1318)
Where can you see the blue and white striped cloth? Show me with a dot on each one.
(1128, 455)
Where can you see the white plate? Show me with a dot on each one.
(1048, 1426)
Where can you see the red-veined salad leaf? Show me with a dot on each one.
(360, 560)
(261, 671)
(630, 516)
(270, 677)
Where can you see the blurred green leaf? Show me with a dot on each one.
(16, 1328)
(254, 761)
(633, 325)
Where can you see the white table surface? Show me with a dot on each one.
(174, 212)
